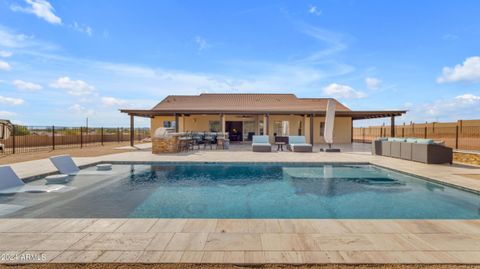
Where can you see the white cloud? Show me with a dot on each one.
(10, 39)
(450, 37)
(112, 101)
(82, 29)
(468, 71)
(11, 101)
(6, 114)
(5, 54)
(342, 91)
(25, 85)
(40, 8)
(373, 83)
(457, 107)
(80, 110)
(315, 11)
(4, 66)
(334, 42)
(468, 99)
(73, 87)
(202, 43)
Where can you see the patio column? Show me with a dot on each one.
(176, 122)
(304, 131)
(266, 124)
(351, 130)
(132, 130)
(311, 128)
(222, 120)
(392, 126)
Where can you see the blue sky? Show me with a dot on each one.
(63, 61)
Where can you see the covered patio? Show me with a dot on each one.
(245, 115)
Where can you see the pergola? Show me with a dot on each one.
(355, 115)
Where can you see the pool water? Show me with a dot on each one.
(256, 191)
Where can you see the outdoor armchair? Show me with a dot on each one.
(260, 143)
(298, 143)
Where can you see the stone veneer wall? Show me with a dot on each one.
(165, 145)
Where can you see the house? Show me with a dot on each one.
(243, 115)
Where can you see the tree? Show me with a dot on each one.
(21, 130)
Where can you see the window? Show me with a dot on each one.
(214, 126)
(169, 124)
(281, 128)
(322, 128)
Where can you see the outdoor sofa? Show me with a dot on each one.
(414, 149)
(260, 143)
(298, 143)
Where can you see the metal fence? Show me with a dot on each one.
(457, 137)
(40, 138)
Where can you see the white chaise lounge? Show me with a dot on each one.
(66, 165)
(11, 183)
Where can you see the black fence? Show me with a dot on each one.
(24, 139)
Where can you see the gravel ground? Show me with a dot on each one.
(191, 266)
(466, 158)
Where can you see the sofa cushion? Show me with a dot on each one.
(260, 139)
(296, 139)
(425, 141)
(396, 139)
(411, 140)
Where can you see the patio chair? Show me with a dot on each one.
(197, 140)
(209, 139)
(66, 165)
(11, 183)
(260, 143)
(297, 143)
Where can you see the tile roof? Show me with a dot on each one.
(244, 102)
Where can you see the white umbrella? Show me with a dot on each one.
(329, 121)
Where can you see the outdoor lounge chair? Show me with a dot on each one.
(11, 183)
(298, 143)
(66, 165)
(260, 143)
(413, 149)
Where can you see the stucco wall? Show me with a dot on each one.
(157, 122)
(198, 123)
(341, 135)
(294, 123)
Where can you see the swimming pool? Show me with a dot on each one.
(255, 190)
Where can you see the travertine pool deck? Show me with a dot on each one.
(251, 241)
(239, 241)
